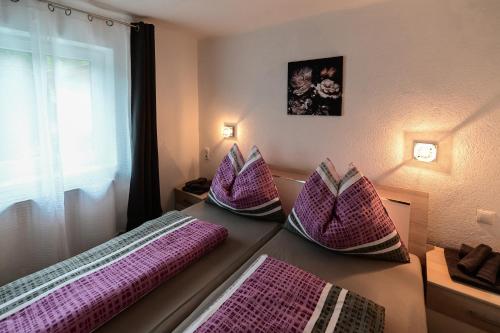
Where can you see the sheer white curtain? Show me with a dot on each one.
(64, 135)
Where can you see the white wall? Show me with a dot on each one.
(177, 108)
(422, 65)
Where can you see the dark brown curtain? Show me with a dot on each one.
(144, 198)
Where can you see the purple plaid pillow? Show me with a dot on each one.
(246, 188)
(345, 215)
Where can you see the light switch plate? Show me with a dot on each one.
(486, 216)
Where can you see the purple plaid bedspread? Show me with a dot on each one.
(273, 296)
(84, 292)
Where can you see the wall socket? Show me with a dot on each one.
(206, 153)
(486, 216)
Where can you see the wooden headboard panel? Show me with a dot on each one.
(290, 183)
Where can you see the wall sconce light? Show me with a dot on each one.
(229, 131)
(425, 151)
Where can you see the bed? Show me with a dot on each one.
(166, 306)
(397, 287)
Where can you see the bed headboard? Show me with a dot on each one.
(407, 208)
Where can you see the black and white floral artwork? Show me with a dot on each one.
(315, 87)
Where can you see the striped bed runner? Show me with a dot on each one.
(273, 296)
(270, 210)
(84, 292)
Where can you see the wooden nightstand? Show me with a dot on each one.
(456, 307)
(185, 199)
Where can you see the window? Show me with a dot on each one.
(56, 115)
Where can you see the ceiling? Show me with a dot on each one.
(225, 17)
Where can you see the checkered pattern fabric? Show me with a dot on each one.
(246, 187)
(346, 215)
(273, 296)
(83, 292)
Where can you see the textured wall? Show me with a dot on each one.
(177, 108)
(412, 66)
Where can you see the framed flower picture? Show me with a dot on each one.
(315, 87)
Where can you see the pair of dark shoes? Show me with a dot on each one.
(197, 186)
(480, 262)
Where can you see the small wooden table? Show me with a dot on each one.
(185, 199)
(463, 303)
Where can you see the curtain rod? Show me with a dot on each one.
(51, 5)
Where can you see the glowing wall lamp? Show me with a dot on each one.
(425, 151)
(229, 131)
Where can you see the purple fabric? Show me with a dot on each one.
(253, 187)
(87, 303)
(246, 187)
(273, 296)
(346, 216)
(277, 297)
(225, 176)
(360, 216)
(315, 207)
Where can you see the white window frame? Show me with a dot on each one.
(102, 66)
